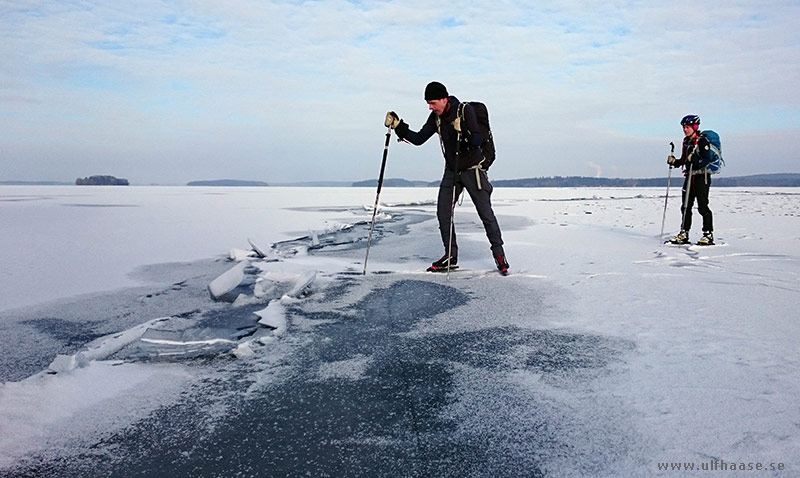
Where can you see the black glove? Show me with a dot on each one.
(671, 160)
(401, 130)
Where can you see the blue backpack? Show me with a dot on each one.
(716, 163)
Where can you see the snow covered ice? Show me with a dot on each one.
(166, 343)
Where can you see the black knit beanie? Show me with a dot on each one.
(435, 91)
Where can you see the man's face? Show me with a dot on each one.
(688, 130)
(437, 106)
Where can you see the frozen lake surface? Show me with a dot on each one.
(604, 353)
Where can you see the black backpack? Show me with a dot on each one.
(482, 114)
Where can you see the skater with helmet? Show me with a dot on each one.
(696, 152)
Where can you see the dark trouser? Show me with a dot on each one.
(701, 183)
(481, 197)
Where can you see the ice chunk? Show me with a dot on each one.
(239, 255)
(186, 343)
(256, 249)
(243, 300)
(101, 348)
(66, 363)
(263, 287)
(274, 316)
(305, 279)
(244, 350)
(228, 280)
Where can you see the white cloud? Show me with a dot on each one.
(297, 90)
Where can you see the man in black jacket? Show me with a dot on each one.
(696, 153)
(460, 139)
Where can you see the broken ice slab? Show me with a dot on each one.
(302, 282)
(259, 253)
(228, 280)
(158, 343)
(340, 237)
(273, 316)
(239, 255)
(102, 348)
(66, 363)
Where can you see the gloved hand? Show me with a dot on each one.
(392, 120)
(671, 160)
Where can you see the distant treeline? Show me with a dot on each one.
(768, 180)
(395, 183)
(758, 180)
(227, 183)
(34, 183)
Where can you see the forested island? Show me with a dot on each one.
(101, 181)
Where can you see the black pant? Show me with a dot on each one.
(481, 197)
(700, 185)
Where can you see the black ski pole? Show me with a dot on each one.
(666, 198)
(377, 194)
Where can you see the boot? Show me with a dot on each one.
(502, 263)
(707, 239)
(681, 238)
(442, 264)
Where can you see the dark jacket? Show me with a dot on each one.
(697, 152)
(456, 156)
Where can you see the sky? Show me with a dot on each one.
(166, 92)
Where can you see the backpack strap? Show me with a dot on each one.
(463, 119)
(439, 132)
(696, 151)
(459, 114)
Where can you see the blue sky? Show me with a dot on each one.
(168, 92)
